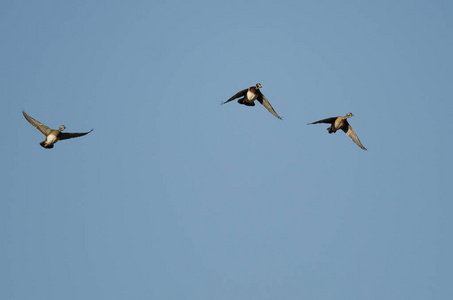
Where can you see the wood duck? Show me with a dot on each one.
(52, 135)
(250, 95)
(341, 123)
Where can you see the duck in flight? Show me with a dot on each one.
(248, 97)
(52, 135)
(343, 124)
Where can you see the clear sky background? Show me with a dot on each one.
(174, 196)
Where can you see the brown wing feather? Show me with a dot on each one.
(328, 120)
(70, 135)
(263, 100)
(40, 126)
(237, 95)
(352, 135)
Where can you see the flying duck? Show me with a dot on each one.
(250, 95)
(52, 135)
(341, 123)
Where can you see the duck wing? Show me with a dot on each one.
(40, 126)
(328, 120)
(352, 135)
(70, 135)
(263, 100)
(237, 95)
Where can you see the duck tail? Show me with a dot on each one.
(43, 144)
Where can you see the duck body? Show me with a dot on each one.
(49, 141)
(250, 97)
(339, 123)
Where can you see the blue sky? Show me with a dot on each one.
(174, 196)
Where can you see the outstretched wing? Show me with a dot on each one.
(350, 132)
(237, 95)
(328, 120)
(40, 126)
(267, 105)
(70, 135)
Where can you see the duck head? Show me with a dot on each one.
(62, 127)
(258, 85)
